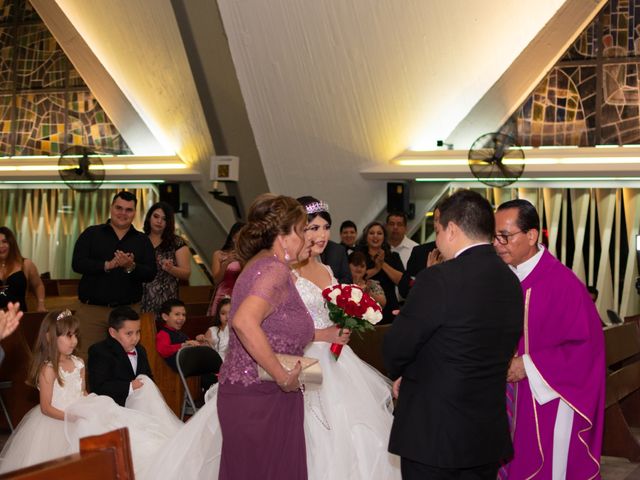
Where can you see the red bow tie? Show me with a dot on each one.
(132, 353)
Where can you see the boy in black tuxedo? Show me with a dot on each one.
(115, 362)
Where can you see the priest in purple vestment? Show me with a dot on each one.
(558, 373)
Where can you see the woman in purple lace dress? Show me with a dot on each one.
(262, 422)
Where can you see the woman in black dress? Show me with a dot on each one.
(172, 257)
(383, 265)
(16, 273)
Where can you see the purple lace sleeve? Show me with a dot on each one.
(288, 326)
(271, 283)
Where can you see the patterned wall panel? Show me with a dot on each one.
(592, 95)
(44, 104)
(579, 210)
(628, 302)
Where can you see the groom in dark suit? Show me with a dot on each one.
(449, 350)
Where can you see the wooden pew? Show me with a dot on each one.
(622, 404)
(101, 457)
(195, 294)
(369, 347)
(68, 287)
(167, 380)
(20, 398)
(196, 309)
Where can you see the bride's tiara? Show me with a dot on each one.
(63, 314)
(316, 207)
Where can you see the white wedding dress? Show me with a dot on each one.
(39, 438)
(347, 420)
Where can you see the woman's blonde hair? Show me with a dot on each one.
(270, 215)
(55, 324)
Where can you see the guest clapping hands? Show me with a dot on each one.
(383, 265)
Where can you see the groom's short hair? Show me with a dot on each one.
(471, 212)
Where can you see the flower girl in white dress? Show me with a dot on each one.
(65, 413)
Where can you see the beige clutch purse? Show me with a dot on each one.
(311, 371)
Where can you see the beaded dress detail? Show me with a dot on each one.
(63, 396)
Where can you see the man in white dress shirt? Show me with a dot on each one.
(398, 240)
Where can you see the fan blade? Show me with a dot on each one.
(505, 171)
(485, 154)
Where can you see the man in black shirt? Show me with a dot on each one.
(115, 260)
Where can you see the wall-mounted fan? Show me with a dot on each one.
(81, 168)
(496, 160)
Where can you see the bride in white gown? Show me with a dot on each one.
(347, 419)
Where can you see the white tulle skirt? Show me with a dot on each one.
(348, 419)
(194, 452)
(39, 438)
(150, 421)
(347, 425)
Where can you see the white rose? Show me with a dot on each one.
(372, 316)
(356, 295)
(333, 295)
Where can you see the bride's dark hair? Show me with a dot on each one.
(270, 215)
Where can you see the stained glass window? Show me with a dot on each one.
(45, 105)
(592, 95)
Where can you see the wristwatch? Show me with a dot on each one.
(131, 268)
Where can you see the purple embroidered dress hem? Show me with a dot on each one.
(563, 337)
(262, 426)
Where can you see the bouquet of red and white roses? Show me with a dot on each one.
(350, 307)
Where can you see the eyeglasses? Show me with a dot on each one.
(503, 238)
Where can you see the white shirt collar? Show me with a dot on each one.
(468, 247)
(523, 270)
(404, 244)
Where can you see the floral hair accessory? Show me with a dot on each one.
(316, 207)
(64, 314)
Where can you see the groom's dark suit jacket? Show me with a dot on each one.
(110, 371)
(451, 344)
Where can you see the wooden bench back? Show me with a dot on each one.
(369, 347)
(102, 457)
(622, 347)
(196, 309)
(621, 342)
(167, 381)
(20, 398)
(195, 294)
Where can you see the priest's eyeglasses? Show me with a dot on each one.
(503, 238)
